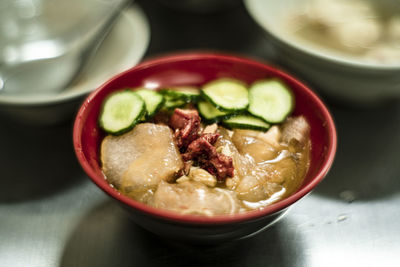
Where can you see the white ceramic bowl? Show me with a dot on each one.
(123, 47)
(351, 80)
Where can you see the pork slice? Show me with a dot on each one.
(138, 160)
(192, 197)
(258, 145)
(242, 165)
(295, 129)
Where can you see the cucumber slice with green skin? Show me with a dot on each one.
(152, 100)
(246, 122)
(121, 111)
(226, 94)
(186, 93)
(270, 100)
(172, 103)
(210, 113)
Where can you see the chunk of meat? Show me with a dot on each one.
(264, 167)
(269, 178)
(190, 197)
(208, 158)
(210, 137)
(186, 124)
(219, 165)
(295, 129)
(129, 161)
(202, 146)
(242, 165)
(199, 147)
(258, 145)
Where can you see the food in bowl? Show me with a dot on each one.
(359, 29)
(198, 69)
(223, 149)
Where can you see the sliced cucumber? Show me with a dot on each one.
(246, 122)
(211, 113)
(176, 97)
(270, 100)
(186, 93)
(226, 94)
(152, 100)
(121, 111)
(171, 103)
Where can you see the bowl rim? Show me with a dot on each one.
(252, 7)
(199, 219)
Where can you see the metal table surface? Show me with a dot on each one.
(52, 215)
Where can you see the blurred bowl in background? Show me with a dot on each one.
(45, 43)
(122, 48)
(344, 77)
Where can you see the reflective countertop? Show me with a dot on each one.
(52, 215)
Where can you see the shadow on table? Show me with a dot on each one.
(35, 161)
(367, 163)
(106, 237)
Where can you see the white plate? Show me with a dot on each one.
(123, 48)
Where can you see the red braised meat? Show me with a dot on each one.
(186, 124)
(199, 148)
(219, 165)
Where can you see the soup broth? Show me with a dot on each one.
(146, 164)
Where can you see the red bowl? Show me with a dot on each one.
(197, 69)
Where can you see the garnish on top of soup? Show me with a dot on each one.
(222, 149)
